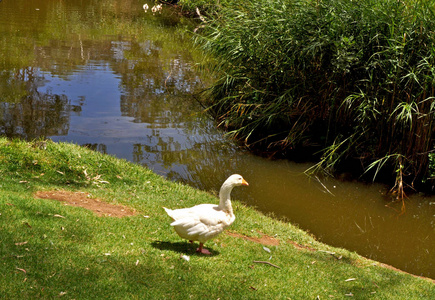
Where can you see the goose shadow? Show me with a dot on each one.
(182, 248)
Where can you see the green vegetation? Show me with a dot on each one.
(52, 250)
(349, 83)
(209, 6)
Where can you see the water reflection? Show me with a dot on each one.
(105, 75)
(33, 113)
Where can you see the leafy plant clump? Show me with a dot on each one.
(349, 83)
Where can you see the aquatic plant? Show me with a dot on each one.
(350, 83)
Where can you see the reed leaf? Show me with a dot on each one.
(299, 77)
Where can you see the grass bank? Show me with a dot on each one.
(349, 83)
(49, 249)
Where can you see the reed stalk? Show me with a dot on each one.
(344, 81)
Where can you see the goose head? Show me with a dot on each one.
(227, 187)
(225, 192)
(235, 180)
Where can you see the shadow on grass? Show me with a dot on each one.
(182, 247)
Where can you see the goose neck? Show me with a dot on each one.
(225, 198)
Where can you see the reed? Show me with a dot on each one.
(344, 81)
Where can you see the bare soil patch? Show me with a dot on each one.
(264, 239)
(82, 199)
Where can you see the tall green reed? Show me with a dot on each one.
(348, 80)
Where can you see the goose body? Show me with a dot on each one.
(206, 221)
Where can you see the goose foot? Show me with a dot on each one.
(202, 250)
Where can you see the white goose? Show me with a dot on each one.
(205, 221)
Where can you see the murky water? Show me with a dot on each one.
(120, 80)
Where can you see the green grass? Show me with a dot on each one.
(49, 250)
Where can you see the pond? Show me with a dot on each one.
(117, 79)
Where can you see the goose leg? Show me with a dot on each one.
(202, 250)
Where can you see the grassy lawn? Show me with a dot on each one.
(52, 250)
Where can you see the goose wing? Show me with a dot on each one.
(201, 222)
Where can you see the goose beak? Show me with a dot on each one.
(244, 182)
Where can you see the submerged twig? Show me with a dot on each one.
(318, 180)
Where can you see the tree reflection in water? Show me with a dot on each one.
(107, 76)
(35, 114)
